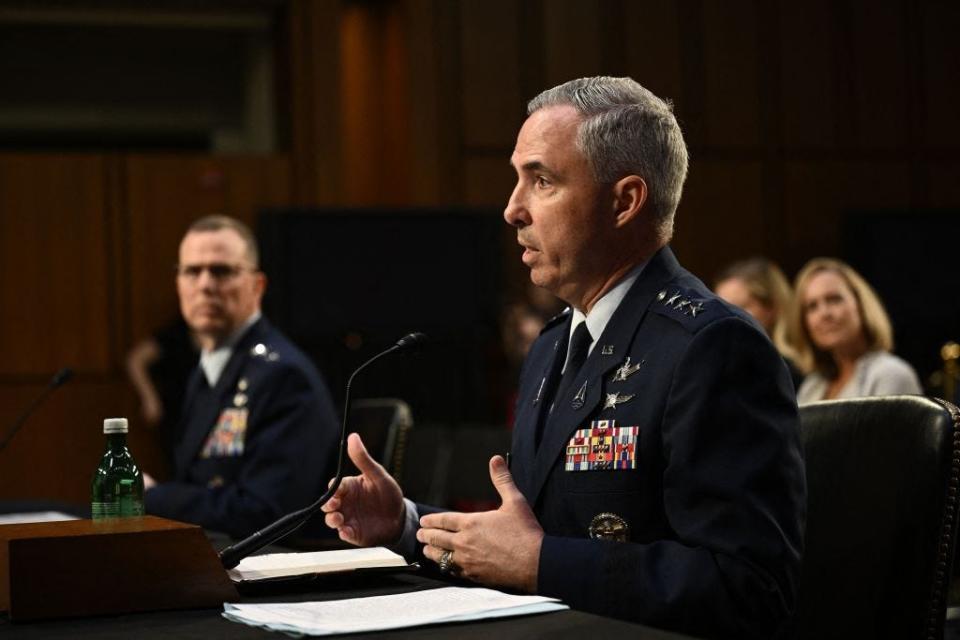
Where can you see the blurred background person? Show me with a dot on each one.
(842, 337)
(256, 413)
(159, 367)
(758, 286)
(520, 324)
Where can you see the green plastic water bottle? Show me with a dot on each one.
(117, 482)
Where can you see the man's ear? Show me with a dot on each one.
(260, 284)
(629, 197)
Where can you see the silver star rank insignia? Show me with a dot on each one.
(613, 399)
(626, 370)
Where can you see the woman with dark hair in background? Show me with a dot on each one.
(759, 287)
(843, 338)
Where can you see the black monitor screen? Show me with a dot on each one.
(344, 284)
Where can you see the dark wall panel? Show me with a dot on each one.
(56, 265)
(164, 194)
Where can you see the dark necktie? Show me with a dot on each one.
(577, 355)
(577, 349)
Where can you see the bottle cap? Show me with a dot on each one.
(115, 425)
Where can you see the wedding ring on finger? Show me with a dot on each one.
(446, 561)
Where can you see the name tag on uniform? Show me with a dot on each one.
(604, 446)
(226, 438)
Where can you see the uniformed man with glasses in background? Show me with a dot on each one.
(256, 413)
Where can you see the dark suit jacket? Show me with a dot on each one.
(716, 504)
(236, 472)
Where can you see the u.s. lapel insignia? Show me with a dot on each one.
(626, 370)
(240, 399)
(607, 350)
(581, 397)
(242, 384)
(539, 395)
(613, 399)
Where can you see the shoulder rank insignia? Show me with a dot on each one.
(613, 399)
(677, 302)
(626, 370)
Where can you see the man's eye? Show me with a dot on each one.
(542, 182)
(221, 271)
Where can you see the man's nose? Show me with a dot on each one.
(516, 213)
(206, 280)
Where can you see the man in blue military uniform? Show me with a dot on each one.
(656, 472)
(257, 413)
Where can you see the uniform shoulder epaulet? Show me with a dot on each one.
(689, 307)
(557, 319)
(261, 351)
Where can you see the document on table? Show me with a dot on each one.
(433, 606)
(283, 565)
(35, 516)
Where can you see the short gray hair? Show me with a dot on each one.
(627, 130)
(218, 222)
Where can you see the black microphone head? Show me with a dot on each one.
(61, 377)
(412, 340)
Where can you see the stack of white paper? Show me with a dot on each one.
(35, 516)
(433, 606)
(279, 565)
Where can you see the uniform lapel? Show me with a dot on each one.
(532, 409)
(203, 407)
(608, 352)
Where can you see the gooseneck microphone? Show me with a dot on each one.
(232, 555)
(58, 380)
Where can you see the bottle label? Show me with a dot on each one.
(105, 510)
(131, 506)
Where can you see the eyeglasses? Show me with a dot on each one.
(218, 271)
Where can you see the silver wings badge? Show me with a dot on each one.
(613, 399)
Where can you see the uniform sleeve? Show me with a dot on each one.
(734, 494)
(287, 460)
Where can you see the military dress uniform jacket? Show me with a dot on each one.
(694, 458)
(259, 444)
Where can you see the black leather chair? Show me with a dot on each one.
(883, 476)
(384, 425)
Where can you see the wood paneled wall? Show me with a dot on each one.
(795, 113)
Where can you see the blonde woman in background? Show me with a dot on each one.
(842, 337)
(758, 286)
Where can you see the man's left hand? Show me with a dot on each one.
(148, 482)
(496, 548)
